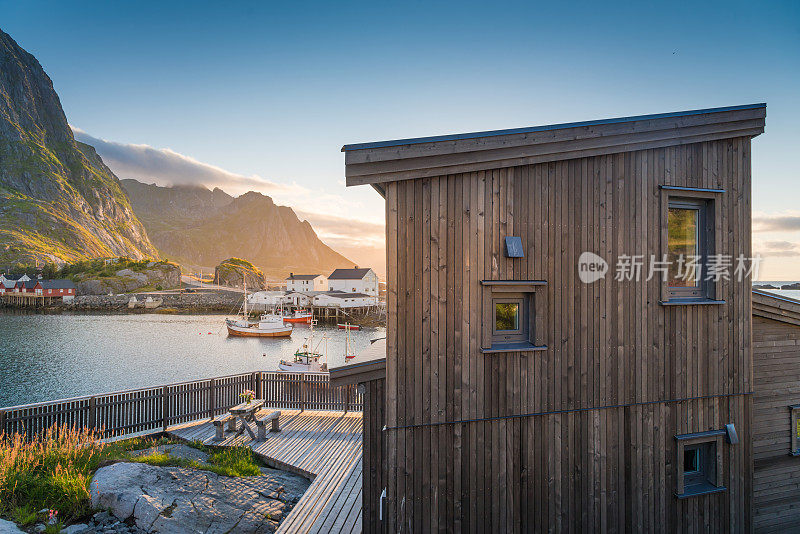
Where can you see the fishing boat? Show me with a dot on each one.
(348, 326)
(268, 325)
(299, 316)
(308, 358)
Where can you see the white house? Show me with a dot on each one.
(306, 283)
(266, 298)
(354, 281)
(341, 299)
(301, 298)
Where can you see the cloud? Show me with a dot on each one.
(164, 166)
(362, 241)
(778, 249)
(778, 223)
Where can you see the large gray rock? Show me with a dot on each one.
(8, 527)
(177, 500)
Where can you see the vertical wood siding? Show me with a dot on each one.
(776, 365)
(587, 461)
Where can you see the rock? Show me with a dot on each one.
(40, 527)
(76, 529)
(791, 287)
(234, 271)
(764, 286)
(101, 517)
(175, 500)
(9, 527)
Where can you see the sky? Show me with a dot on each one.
(246, 95)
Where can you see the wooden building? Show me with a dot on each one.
(514, 395)
(776, 409)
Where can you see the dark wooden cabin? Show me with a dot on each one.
(516, 398)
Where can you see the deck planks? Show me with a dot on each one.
(323, 446)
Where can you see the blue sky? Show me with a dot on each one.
(273, 90)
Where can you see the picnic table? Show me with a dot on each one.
(246, 412)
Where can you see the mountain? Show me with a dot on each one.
(58, 201)
(198, 226)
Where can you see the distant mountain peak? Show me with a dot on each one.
(202, 228)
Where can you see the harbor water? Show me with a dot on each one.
(45, 357)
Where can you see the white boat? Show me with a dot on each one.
(268, 325)
(308, 358)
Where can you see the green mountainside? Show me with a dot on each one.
(197, 226)
(58, 201)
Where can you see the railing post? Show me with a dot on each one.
(253, 386)
(165, 407)
(302, 392)
(259, 385)
(92, 413)
(212, 397)
(346, 397)
(2, 422)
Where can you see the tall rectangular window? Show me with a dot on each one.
(690, 239)
(794, 427)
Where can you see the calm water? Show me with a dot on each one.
(44, 357)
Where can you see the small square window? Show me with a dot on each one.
(699, 463)
(510, 319)
(511, 315)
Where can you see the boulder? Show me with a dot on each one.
(8, 527)
(176, 500)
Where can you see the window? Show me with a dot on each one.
(510, 320)
(510, 317)
(699, 463)
(795, 429)
(690, 240)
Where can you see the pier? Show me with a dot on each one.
(320, 436)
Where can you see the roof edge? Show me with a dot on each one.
(544, 128)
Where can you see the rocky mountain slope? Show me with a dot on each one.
(58, 201)
(198, 226)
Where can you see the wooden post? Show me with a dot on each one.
(212, 397)
(92, 413)
(253, 383)
(165, 407)
(302, 392)
(259, 385)
(2, 422)
(347, 391)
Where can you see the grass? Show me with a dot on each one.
(51, 471)
(54, 470)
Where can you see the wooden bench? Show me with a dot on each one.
(219, 422)
(261, 423)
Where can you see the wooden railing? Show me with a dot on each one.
(154, 409)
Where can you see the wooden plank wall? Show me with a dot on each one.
(374, 452)
(776, 367)
(461, 453)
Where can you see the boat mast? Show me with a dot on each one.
(245, 296)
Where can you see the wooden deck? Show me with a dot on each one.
(323, 446)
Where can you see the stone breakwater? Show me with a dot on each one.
(223, 301)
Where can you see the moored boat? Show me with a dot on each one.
(308, 358)
(268, 325)
(348, 326)
(299, 316)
